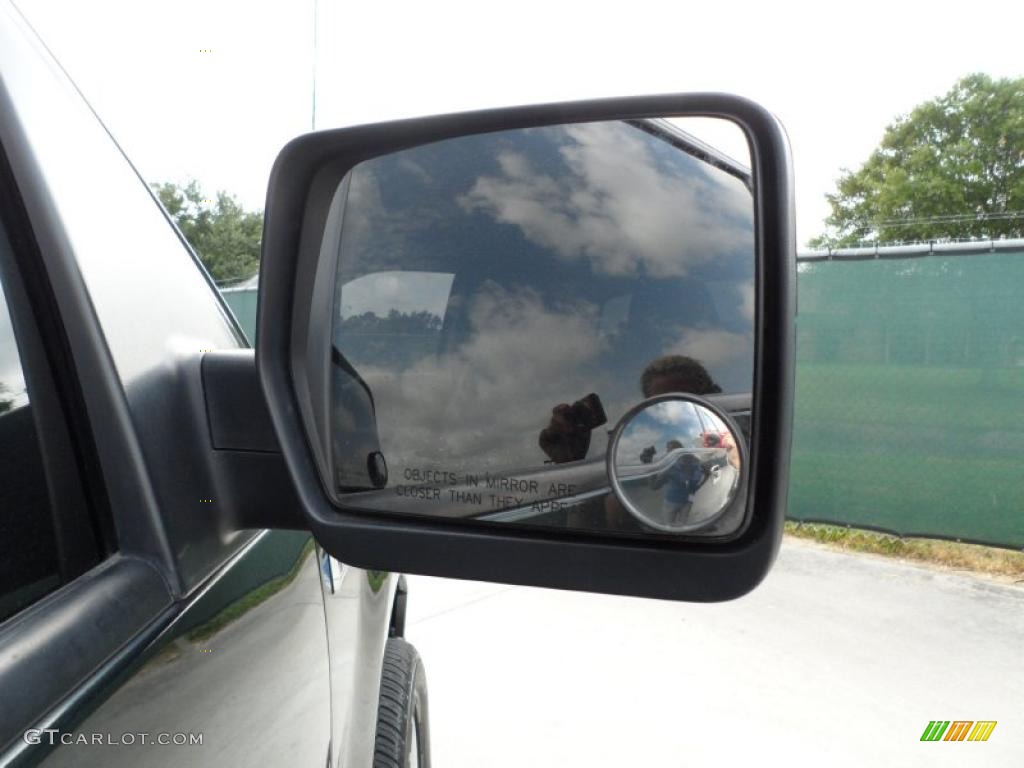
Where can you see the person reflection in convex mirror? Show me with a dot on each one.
(681, 481)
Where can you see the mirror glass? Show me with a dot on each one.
(501, 300)
(676, 465)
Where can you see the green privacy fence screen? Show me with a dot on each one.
(241, 297)
(909, 413)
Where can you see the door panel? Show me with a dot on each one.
(358, 608)
(243, 668)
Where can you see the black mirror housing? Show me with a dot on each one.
(294, 326)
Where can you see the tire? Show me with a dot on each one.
(403, 732)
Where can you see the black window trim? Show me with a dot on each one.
(77, 492)
(73, 535)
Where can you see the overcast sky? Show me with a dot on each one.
(835, 75)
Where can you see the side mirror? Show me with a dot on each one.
(453, 308)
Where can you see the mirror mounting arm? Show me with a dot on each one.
(254, 488)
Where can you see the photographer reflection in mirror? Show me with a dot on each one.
(681, 481)
(677, 373)
(567, 436)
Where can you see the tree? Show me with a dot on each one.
(226, 237)
(953, 168)
(6, 402)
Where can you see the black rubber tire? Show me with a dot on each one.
(402, 708)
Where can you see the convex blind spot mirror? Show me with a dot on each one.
(455, 312)
(676, 465)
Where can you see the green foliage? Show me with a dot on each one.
(226, 237)
(398, 339)
(250, 600)
(951, 169)
(376, 579)
(396, 323)
(6, 403)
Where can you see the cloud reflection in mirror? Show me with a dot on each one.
(618, 203)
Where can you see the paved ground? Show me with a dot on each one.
(837, 660)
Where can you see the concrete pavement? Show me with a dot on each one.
(837, 659)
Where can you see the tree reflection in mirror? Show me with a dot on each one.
(500, 298)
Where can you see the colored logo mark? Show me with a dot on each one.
(958, 730)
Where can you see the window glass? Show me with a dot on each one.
(29, 565)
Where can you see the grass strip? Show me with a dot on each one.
(990, 561)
